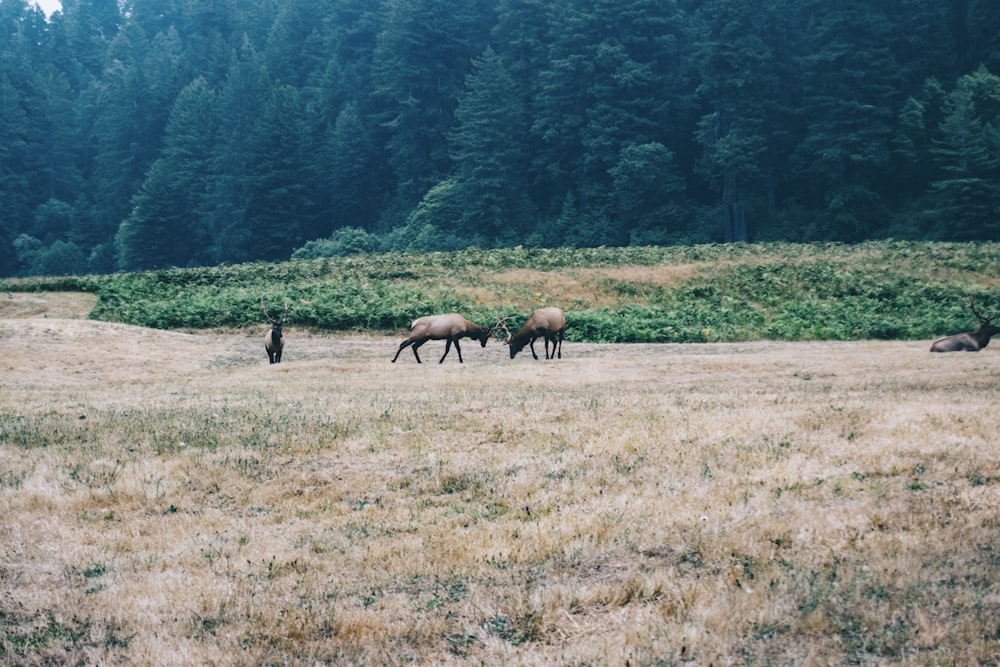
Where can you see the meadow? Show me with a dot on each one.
(170, 498)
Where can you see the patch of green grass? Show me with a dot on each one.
(740, 292)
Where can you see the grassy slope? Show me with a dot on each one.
(879, 290)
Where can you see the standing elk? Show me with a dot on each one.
(449, 327)
(548, 323)
(968, 342)
(274, 340)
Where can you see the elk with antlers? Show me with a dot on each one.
(449, 327)
(968, 342)
(548, 323)
(274, 340)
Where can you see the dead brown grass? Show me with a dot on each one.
(584, 287)
(172, 499)
(59, 305)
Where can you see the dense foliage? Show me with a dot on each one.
(156, 133)
(734, 292)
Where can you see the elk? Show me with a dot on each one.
(449, 327)
(548, 323)
(274, 340)
(968, 342)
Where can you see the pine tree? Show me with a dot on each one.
(649, 202)
(15, 205)
(851, 91)
(419, 66)
(168, 225)
(152, 235)
(279, 214)
(238, 109)
(965, 204)
(488, 150)
(350, 175)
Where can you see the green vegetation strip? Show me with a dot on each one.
(740, 292)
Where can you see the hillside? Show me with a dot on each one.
(724, 293)
(146, 134)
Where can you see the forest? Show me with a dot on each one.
(148, 134)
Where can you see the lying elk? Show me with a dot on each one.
(548, 323)
(968, 342)
(274, 341)
(443, 327)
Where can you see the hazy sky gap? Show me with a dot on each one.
(49, 6)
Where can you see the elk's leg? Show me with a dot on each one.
(558, 343)
(401, 346)
(415, 346)
(531, 345)
(447, 348)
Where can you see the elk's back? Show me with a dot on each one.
(550, 317)
(956, 343)
(439, 326)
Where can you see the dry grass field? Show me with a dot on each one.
(172, 499)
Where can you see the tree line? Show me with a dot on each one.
(143, 134)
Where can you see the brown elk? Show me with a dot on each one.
(449, 327)
(274, 340)
(548, 323)
(968, 342)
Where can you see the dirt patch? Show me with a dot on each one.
(59, 305)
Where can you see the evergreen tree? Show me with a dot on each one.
(918, 130)
(238, 109)
(172, 203)
(15, 205)
(432, 224)
(488, 150)
(783, 119)
(419, 66)
(745, 55)
(55, 171)
(649, 201)
(349, 174)
(851, 87)
(616, 78)
(294, 43)
(965, 204)
(558, 110)
(125, 129)
(279, 214)
(153, 235)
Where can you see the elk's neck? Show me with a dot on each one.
(984, 333)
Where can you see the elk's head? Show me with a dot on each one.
(276, 322)
(516, 346)
(985, 327)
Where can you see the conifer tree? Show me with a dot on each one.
(488, 149)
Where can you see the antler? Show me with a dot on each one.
(972, 305)
(501, 325)
(268, 315)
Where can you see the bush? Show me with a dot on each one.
(738, 292)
